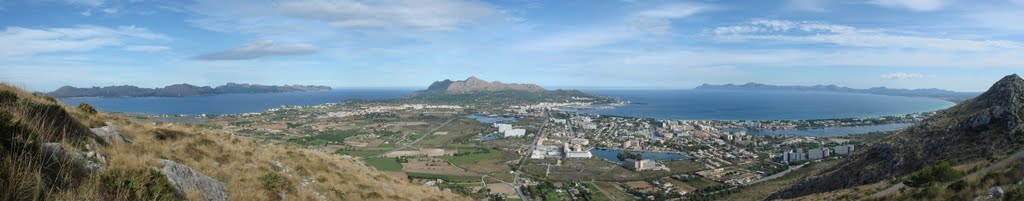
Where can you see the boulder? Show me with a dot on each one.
(108, 135)
(995, 192)
(55, 154)
(185, 179)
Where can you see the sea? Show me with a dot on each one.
(231, 103)
(660, 104)
(760, 105)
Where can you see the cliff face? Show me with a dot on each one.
(473, 84)
(975, 129)
(178, 90)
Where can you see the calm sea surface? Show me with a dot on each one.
(231, 103)
(761, 105)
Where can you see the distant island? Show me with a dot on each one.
(952, 96)
(178, 90)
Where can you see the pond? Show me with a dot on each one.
(611, 155)
(490, 119)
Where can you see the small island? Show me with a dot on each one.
(178, 90)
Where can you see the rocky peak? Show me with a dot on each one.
(474, 84)
(981, 127)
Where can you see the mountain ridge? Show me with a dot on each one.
(473, 84)
(952, 96)
(178, 90)
(979, 128)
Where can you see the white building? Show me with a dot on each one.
(503, 127)
(641, 165)
(576, 151)
(518, 132)
(844, 149)
(793, 156)
(817, 153)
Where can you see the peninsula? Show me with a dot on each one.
(178, 90)
(952, 96)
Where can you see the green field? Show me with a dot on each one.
(451, 178)
(384, 164)
(360, 153)
(473, 156)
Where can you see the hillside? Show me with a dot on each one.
(929, 93)
(49, 152)
(977, 131)
(473, 84)
(178, 90)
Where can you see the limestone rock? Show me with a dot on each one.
(185, 179)
(90, 161)
(108, 135)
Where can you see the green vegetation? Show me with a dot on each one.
(384, 164)
(85, 107)
(360, 153)
(326, 137)
(629, 155)
(941, 171)
(416, 175)
(275, 184)
(470, 156)
(135, 185)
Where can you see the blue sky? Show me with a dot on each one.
(958, 45)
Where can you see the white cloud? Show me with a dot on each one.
(257, 49)
(824, 33)
(19, 41)
(247, 16)
(580, 39)
(915, 5)
(659, 20)
(904, 76)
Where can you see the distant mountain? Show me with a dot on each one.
(473, 84)
(178, 90)
(930, 93)
(977, 129)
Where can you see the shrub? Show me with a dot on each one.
(85, 107)
(167, 134)
(139, 184)
(275, 184)
(941, 171)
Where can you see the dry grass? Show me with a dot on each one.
(242, 164)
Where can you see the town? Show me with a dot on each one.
(542, 151)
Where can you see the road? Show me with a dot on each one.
(776, 175)
(522, 159)
(407, 145)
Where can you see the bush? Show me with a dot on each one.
(85, 107)
(275, 184)
(135, 185)
(941, 171)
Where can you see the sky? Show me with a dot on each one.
(624, 44)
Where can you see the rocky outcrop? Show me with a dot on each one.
(108, 135)
(56, 155)
(185, 179)
(976, 129)
(473, 84)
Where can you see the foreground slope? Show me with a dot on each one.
(986, 127)
(48, 152)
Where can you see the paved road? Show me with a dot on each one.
(407, 145)
(776, 175)
(522, 159)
